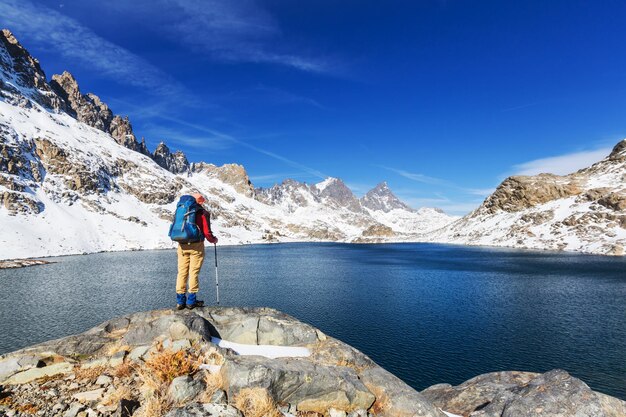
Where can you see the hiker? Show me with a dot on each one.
(190, 234)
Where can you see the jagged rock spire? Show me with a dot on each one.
(382, 198)
(21, 75)
(174, 162)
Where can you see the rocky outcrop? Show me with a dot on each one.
(89, 109)
(176, 364)
(232, 174)
(582, 211)
(218, 361)
(518, 193)
(524, 394)
(174, 162)
(382, 198)
(24, 72)
(85, 108)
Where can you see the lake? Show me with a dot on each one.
(428, 313)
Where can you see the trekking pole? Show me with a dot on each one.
(217, 282)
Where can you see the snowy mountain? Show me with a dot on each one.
(75, 179)
(584, 211)
(381, 198)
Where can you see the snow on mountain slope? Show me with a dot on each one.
(584, 211)
(74, 179)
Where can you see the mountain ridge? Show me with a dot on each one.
(78, 169)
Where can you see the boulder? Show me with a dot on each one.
(394, 398)
(310, 386)
(184, 388)
(523, 394)
(173, 326)
(36, 373)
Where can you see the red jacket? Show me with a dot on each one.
(204, 222)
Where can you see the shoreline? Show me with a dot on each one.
(40, 260)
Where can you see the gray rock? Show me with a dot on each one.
(13, 365)
(138, 353)
(58, 408)
(89, 396)
(172, 326)
(117, 359)
(74, 410)
(310, 386)
(36, 373)
(205, 410)
(185, 388)
(284, 331)
(396, 399)
(475, 393)
(522, 394)
(219, 397)
(104, 380)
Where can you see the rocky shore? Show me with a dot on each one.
(236, 362)
(21, 263)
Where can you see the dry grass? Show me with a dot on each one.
(7, 401)
(117, 347)
(155, 406)
(213, 382)
(31, 409)
(88, 373)
(256, 402)
(121, 393)
(167, 364)
(124, 370)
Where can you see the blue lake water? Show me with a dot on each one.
(428, 313)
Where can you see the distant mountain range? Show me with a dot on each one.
(74, 178)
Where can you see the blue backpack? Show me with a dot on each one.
(184, 228)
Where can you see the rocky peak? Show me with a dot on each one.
(232, 174)
(174, 162)
(619, 152)
(382, 198)
(88, 108)
(335, 190)
(290, 193)
(21, 74)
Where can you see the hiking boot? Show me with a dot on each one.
(180, 306)
(198, 303)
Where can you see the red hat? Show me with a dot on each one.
(199, 198)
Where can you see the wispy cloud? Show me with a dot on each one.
(425, 179)
(237, 31)
(223, 137)
(519, 107)
(561, 164)
(47, 28)
(177, 137)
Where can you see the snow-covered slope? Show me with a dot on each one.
(584, 211)
(74, 179)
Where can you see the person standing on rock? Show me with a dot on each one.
(191, 226)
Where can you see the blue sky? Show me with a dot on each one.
(443, 99)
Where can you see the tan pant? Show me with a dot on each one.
(190, 258)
